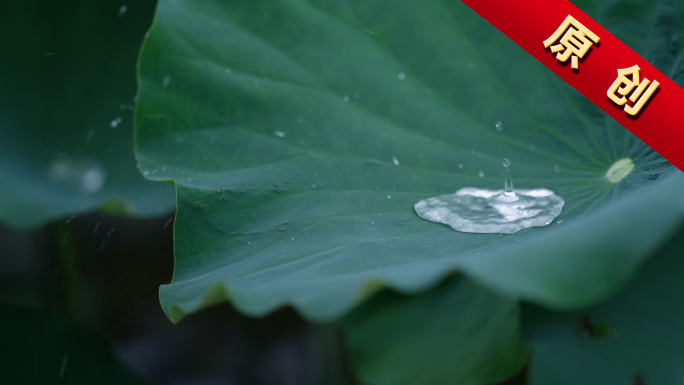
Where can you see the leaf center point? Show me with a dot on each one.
(619, 170)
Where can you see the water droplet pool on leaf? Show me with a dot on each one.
(480, 210)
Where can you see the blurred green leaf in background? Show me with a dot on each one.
(66, 108)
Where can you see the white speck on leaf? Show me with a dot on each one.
(115, 123)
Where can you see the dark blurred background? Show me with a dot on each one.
(87, 290)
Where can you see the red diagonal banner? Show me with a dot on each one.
(598, 65)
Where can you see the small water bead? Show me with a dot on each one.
(479, 210)
(499, 126)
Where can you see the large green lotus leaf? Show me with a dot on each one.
(457, 333)
(646, 321)
(300, 134)
(42, 348)
(66, 110)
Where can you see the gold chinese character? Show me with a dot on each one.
(573, 43)
(628, 87)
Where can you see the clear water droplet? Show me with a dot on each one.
(471, 65)
(279, 134)
(122, 10)
(460, 165)
(389, 197)
(395, 160)
(499, 126)
(479, 210)
(345, 98)
(227, 71)
(481, 174)
(401, 76)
